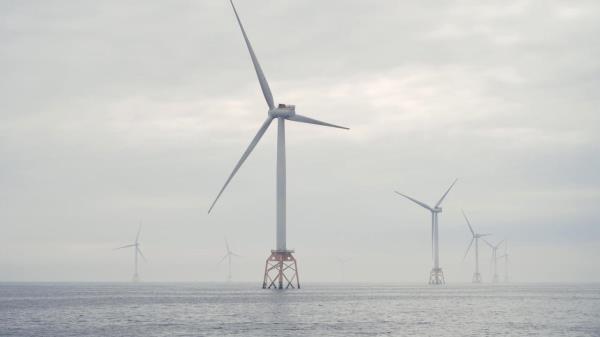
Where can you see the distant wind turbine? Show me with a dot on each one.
(136, 251)
(228, 256)
(494, 260)
(281, 260)
(342, 262)
(476, 237)
(505, 257)
(437, 275)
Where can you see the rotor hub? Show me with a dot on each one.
(283, 110)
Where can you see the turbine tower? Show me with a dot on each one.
(494, 260)
(476, 237)
(281, 269)
(136, 251)
(228, 256)
(436, 276)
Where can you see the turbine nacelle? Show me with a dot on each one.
(437, 210)
(283, 110)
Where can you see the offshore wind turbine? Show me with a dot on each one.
(505, 257)
(136, 251)
(494, 260)
(476, 237)
(281, 264)
(228, 256)
(342, 262)
(436, 276)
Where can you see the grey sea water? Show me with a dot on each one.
(146, 309)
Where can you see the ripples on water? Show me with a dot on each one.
(80, 309)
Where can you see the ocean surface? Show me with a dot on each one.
(177, 309)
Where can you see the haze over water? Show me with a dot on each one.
(122, 309)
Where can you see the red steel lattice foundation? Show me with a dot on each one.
(281, 271)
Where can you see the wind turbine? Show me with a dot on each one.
(136, 251)
(228, 256)
(281, 260)
(494, 260)
(505, 256)
(342, 262)
(436, 276)
(476, 237)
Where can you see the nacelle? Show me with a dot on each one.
(283, 110)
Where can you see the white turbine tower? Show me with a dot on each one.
(494, 260)
(228, 256)
(476, 237)
(437, 275)
(136, 251)
(281, 260)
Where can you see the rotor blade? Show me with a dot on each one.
(468, 223)
(126, 246)
(489, 244)
(227, 245)
(499, 244)
(253, 143)
(304, 119)
(223, 259)
(234, 254)
(485, 234)
(140, 251)
(259, 73)
(468, 248)
(445, 194)
(432, 252)
(137, 237)
(422, 204)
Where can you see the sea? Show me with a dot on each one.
(244, 309)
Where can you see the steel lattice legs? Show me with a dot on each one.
(436, 276)
(281, 271)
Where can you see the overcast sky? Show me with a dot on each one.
(112, 112)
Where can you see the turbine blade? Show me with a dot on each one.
(489, 244)
(126, 246)
(137, 236)
(223, 259)
(499, 244)
(432, 250)
(234, 254)
(422, 204)
(140, 251)
(467, 252)
(468, 223)
(264, 85)
(445, 194)
(253, 143)
(304, 119)
(227, 245)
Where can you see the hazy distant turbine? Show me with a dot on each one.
(136, 251)
(505, 257)
(342, 263)
(476, 237)
(437, 275)
(494, 260)
(281, 259)
(228, 256)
